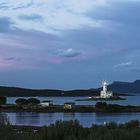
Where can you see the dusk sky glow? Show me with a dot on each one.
(73, 44)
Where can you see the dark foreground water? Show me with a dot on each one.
(86, 119)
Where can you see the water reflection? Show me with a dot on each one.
(116, 117)
(86, 119)
(27, 118)
(69, 115)
(47, 118)
(3, 118)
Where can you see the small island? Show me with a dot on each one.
(105, 95)
(47, 106)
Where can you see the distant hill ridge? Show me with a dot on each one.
(15, 91)
(117, 87)
(125, 87)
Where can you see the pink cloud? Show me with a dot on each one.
(6, 65)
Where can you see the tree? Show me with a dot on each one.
(2, 100)
(21, 101)
(33, 101)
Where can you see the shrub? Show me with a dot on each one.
(21, 101)
(2, 100)
(101, 105)
(33, 101)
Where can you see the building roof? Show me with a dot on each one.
(47, 101)
(71, 103)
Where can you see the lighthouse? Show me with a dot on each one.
(105, 87)
(104, 92)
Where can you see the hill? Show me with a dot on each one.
(15, 91)
(125, 87)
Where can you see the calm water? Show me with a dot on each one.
(86, 119)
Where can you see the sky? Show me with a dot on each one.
(69, 44)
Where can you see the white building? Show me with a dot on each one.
(46, 103)
(69, 105)
(104, 93)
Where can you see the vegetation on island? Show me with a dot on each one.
(34, 105)
(2, 100)
(104, 107)
(31, 101)
(71, 130)
(21, 101)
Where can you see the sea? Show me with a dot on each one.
(85, 119)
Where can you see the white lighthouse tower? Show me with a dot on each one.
(104, 93)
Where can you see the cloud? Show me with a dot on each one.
(56, 14)
(117, 15)
(32, 17)
(76, 33)
(68, 53)
(23, 5)
(9, 58)
(5, 24)
(136, 69)
(124, 64)
(61, 15)
(3, 6)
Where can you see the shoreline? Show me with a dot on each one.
(109, 108)
(102, 99)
